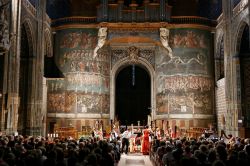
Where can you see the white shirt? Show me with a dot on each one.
(126, 134)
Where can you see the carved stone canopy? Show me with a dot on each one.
(133, 54)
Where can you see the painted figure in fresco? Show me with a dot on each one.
(178, 40)
(102, 35)
(164, 37)
(190, 40)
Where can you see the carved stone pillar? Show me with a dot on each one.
(34, 123)
(10, 112)
(230, 70)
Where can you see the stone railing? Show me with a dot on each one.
(193, 20)
(173, 20)
(73, 20)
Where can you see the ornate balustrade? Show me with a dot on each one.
(173, 20)
(193, 20)
(73, 20)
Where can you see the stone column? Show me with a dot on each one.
(230, 70)
(12, 65)
(34, 123)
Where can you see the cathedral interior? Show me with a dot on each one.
(74, 64)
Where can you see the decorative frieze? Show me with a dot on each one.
(133, 53)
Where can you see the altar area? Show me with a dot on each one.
(135, 142)
(136, 138)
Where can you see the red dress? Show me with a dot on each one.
(145, 142)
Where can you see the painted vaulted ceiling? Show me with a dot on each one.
(64, 8)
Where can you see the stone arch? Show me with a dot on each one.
(118, 66)
(48, 43)
(238, 35)
(30, 34)
(27, 60)
(241, 21)
(242, 70)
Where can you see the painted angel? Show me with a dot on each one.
(102, 35)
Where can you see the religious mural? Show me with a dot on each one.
(55, 85)
(56, 102)
(184, 83)
(75, 45)
(190, 53)
(184, 79)
(72, 102)
(85, 88)
(150, 33)
(89, 103)
(88, 82)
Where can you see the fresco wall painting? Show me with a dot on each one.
(184, 79)
(85, 87)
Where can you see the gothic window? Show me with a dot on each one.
(219, 61)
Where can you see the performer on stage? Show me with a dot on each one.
(113, 135)
(145, 141)
(125, 140)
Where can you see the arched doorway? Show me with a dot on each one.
(25, 80)
(133, 95)
(244, 55)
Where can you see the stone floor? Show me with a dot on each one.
(135, 159)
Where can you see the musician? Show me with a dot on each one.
(145, 141)
(125, 140)
(158, 133)
(113, 135)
